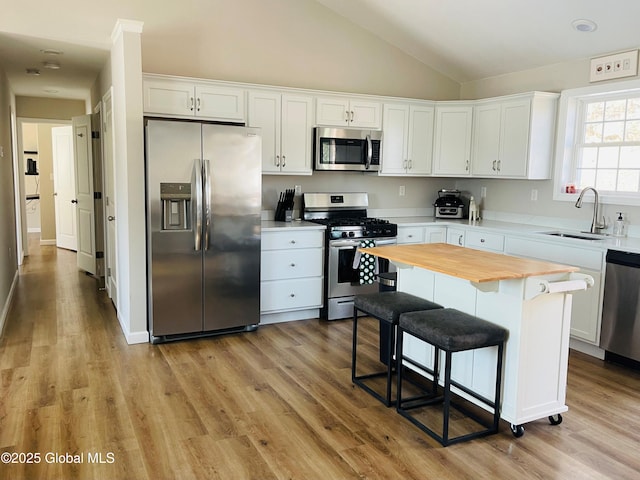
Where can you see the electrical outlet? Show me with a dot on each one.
(401, 192)
(297, 189)
(624, 64)
(483, 192)
(534, 195)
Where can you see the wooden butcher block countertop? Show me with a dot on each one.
(473, 265)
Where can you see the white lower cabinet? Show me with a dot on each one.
(493, 242)
(586, 310)
(417, 234)
(291, 274)
(455, 236)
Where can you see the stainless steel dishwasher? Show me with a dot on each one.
(621, 306)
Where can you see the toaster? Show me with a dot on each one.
(449, 204)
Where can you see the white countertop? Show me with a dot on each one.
(273, 226)
(627, 244)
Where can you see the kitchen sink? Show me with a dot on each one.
(578, 235)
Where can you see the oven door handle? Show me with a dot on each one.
(356, 243)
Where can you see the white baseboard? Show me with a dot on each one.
(587, 348)
(7, 303)
(269, 318)
(48, 242)
(133, 337)
(33, 230)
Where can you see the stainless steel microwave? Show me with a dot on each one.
(347, 149)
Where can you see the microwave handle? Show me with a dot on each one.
(367, 164)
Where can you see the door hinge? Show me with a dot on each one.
(95, 134)
(97, 195)
(108, 271)
(99, 254)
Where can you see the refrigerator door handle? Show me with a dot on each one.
(196, 204)
(207, 203)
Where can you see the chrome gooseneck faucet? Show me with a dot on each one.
(595, 226)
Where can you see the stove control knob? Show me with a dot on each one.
(344, 234)
(351, 234)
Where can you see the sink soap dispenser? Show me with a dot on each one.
(618, 227)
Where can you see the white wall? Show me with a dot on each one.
(8, 247)
(514, 196)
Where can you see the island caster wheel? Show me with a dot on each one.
(555, 419)
(517, 430)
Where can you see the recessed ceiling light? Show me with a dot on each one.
(51, 51)
(51, 65)
(33, 71)
(584, 25)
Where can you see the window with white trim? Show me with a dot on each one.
(599, 143)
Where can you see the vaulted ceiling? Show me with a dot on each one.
(464, 39)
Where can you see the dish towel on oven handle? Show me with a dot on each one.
(366, 264)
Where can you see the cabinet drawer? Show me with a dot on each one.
(292, 239)
(484, 241)
(290, 294)
(411, 235)
(285, 264)
(552, 252)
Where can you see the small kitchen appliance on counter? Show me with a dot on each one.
(449, 204)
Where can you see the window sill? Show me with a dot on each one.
(603, 198)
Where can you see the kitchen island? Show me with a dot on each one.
(527, 297)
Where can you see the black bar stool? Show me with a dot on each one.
(386, 307)
(451, 331)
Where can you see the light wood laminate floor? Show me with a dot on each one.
(273, 404)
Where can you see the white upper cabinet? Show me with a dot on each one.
(452, 139)
(407, 145)
(348, 112)
(286, 123)
(513, 136)
(182, 98)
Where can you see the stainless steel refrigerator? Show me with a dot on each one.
(203, 185)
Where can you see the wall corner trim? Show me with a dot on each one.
(123, 25)
(8, 302)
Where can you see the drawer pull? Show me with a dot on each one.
(292, 295)
(482, 240)
(292, 241)
(293, 265)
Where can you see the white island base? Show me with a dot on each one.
(537, 348)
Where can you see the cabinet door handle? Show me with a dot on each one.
(346, 116)
(352, 115)
(410, 164)
(494, 166)
(292, 241)
(198, 105)
(292, 265)
(404, 164)
(482, 240)
(284, 161)
(499, 161)
(277, 160)
(292, 295)
(467, 166)
(460, 238)
(409, 236)
(191, 105)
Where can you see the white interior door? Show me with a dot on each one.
(110, 204)
(64, 187)
(85, 209)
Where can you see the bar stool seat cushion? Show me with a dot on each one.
(451, 329)
(388, 306)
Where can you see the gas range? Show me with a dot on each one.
(345, 215)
